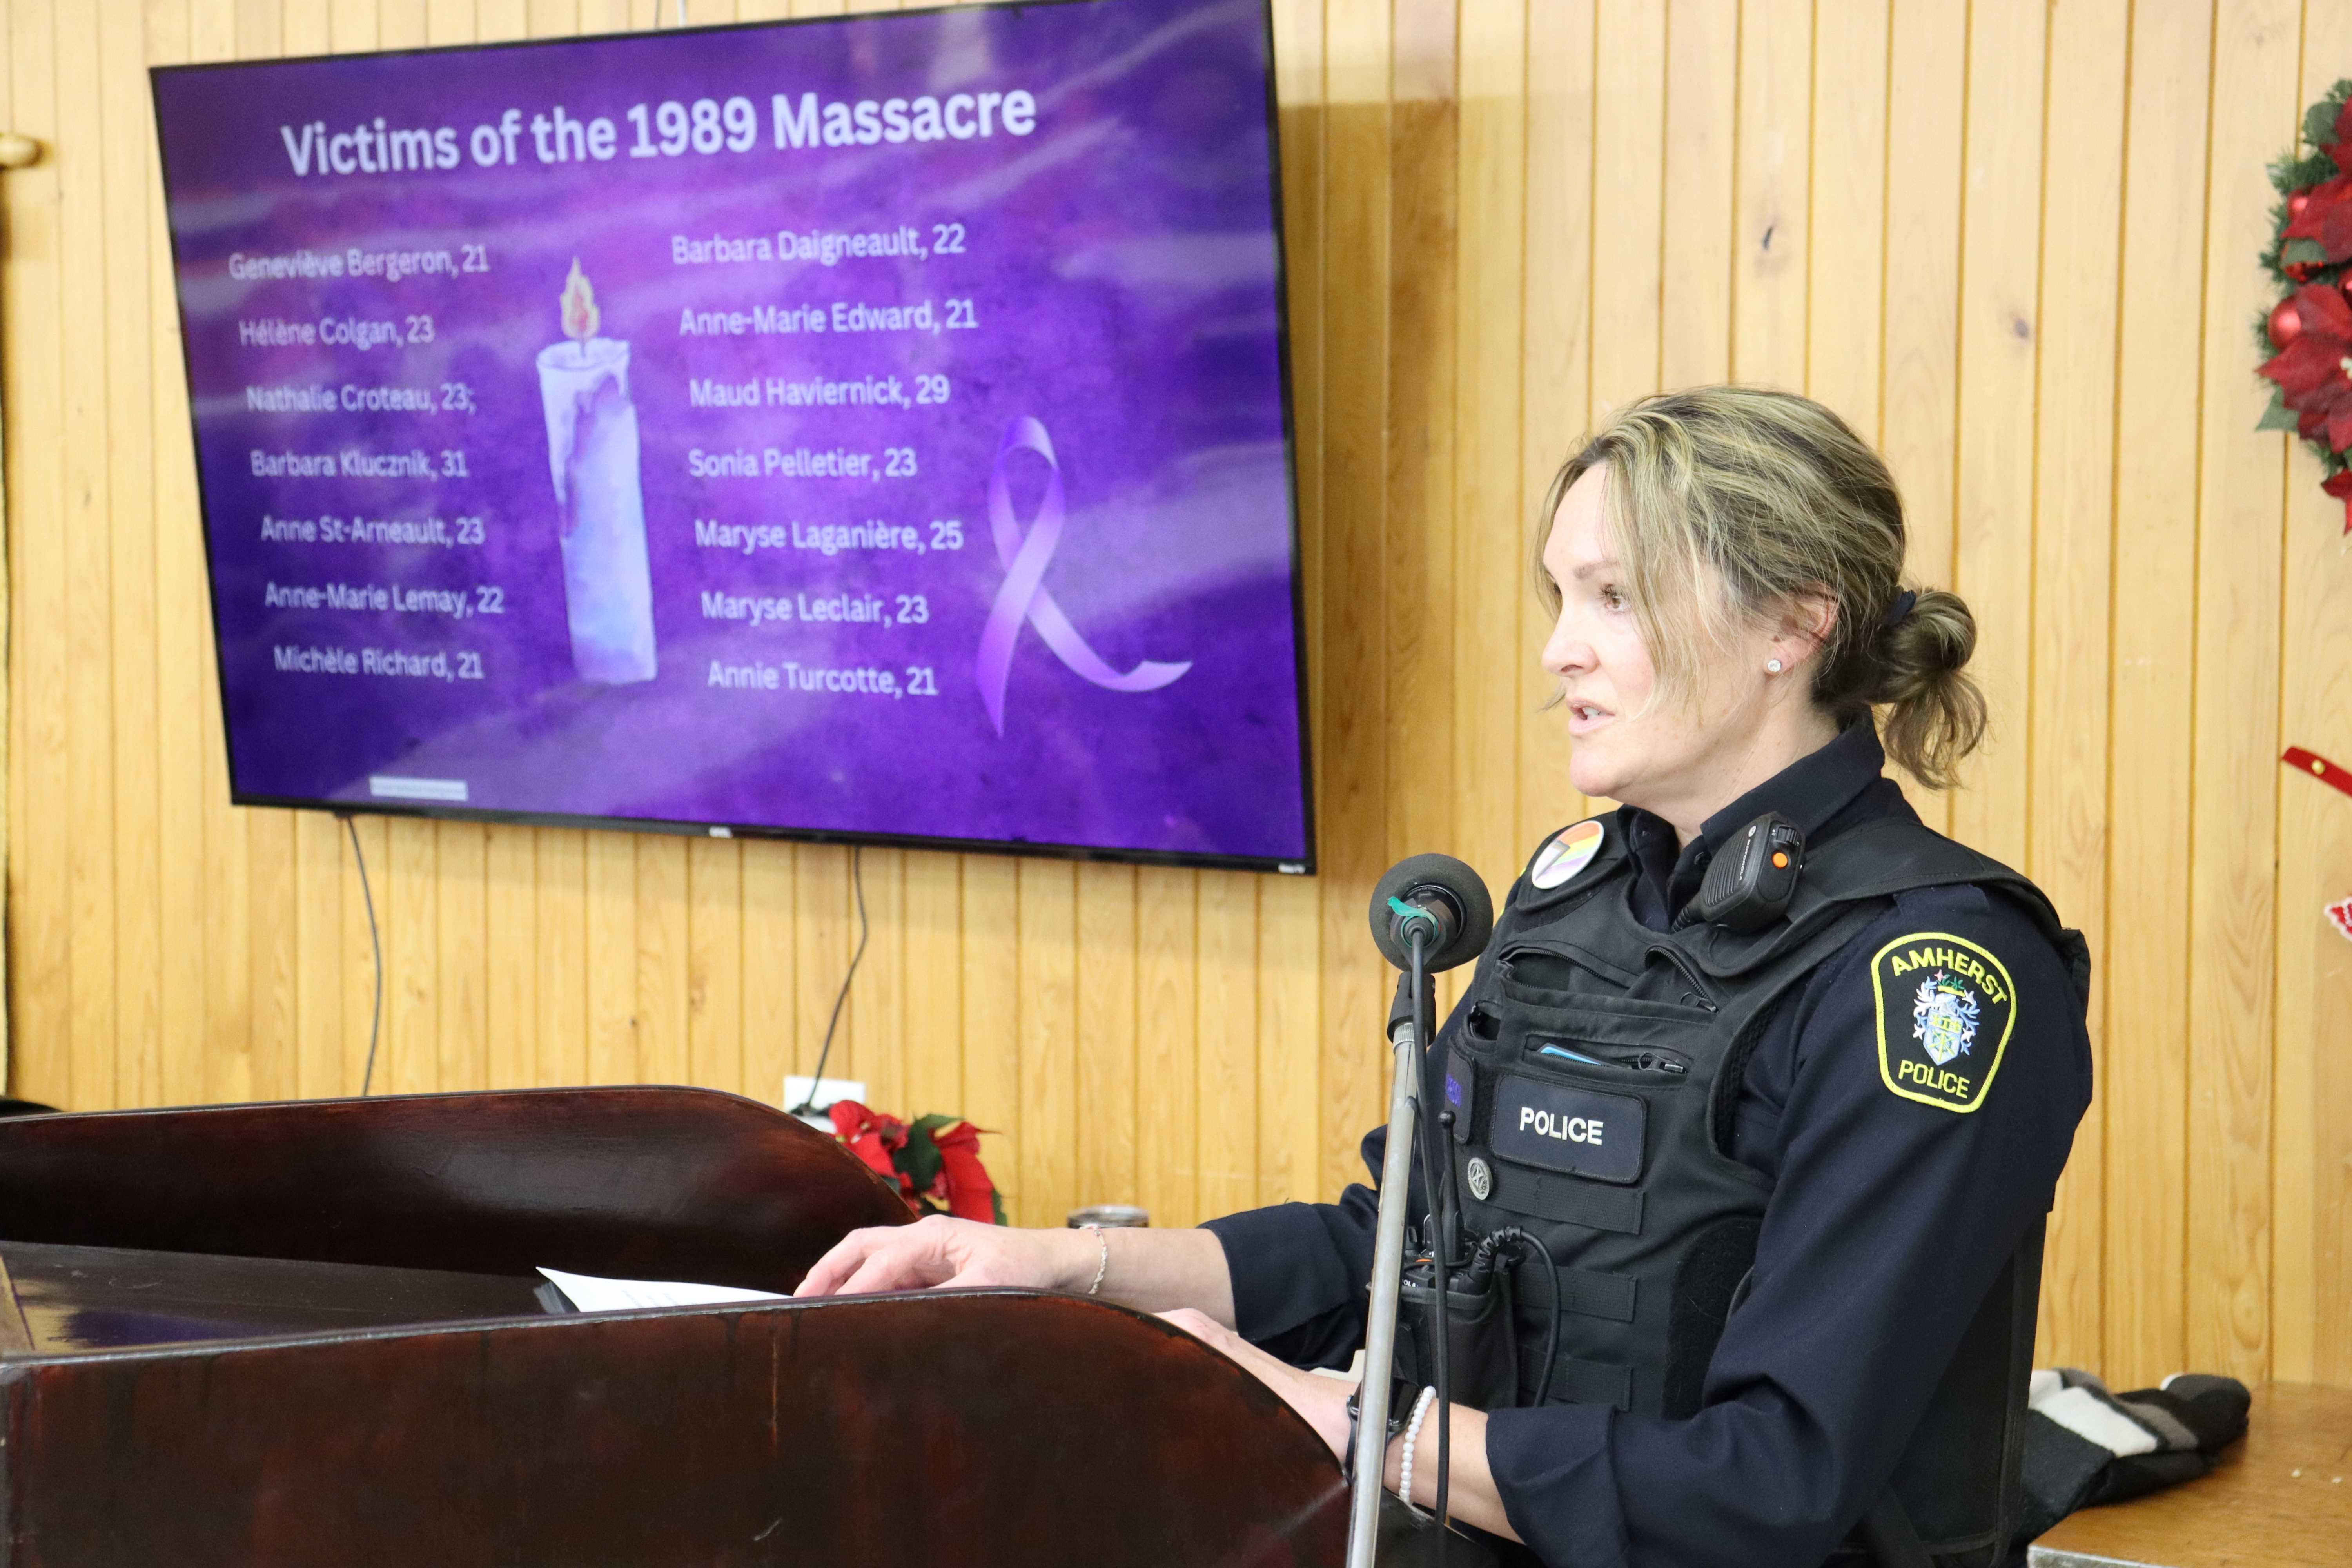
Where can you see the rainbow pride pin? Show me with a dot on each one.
(1570, 851)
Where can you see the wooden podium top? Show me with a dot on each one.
(2282, 1499)
(638, 1181)
(60, 1300)
(274, 1336)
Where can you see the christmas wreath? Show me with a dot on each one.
(2308, 333)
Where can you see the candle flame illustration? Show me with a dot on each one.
(580, 314)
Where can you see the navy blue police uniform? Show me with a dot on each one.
(1898, 1193)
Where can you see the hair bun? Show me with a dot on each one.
(1936, 713)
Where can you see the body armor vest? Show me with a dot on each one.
(1593, 1085)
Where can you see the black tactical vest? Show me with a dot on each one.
(1595, 1082)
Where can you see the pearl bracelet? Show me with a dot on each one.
(1413, 1432)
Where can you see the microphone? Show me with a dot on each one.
(1442, 898)
(1430, 912)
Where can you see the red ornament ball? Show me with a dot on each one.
(2284, 325)
(2297, 271)
(2295, 204)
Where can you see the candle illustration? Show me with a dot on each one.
(591, 449)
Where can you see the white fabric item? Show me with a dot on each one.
(2088, 1415)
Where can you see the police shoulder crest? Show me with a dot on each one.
(1945, 1007)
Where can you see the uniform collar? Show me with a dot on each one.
(1810, 792)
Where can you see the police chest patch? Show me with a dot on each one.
(1579, 1131)
(1945, 1007)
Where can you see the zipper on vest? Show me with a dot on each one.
(1689, 969)
(1644, 1059)
(1556, 955)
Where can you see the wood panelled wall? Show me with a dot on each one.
(2011, 240)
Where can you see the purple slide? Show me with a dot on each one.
(866, 427)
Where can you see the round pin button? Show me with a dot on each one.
(1571, 851)
(1482, 1179)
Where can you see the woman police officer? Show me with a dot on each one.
(1831, 1153)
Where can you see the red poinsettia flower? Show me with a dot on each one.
(2326, 217)
(2315, 371)
(2340, 487)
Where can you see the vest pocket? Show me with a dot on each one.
(1617, 1042)
(1602, 1017)
(1481, 1357)
(1644, 1060)
(1560, 968)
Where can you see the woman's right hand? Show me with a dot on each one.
(938, 1252)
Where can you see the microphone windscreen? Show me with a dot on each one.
(1445, 886)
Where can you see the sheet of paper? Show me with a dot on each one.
(592, 1294)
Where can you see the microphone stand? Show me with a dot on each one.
(1388, 1273)
(1428, 910)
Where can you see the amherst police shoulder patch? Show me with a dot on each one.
(1945, 1007)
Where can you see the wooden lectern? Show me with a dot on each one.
(307, 1334)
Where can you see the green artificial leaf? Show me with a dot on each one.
(920, 1160)
(2292, 174)
(2319, 120)
(2310, 252)
(2301, 174)
(2278, 415)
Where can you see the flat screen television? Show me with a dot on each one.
(870, 430)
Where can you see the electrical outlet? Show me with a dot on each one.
(818, 1094)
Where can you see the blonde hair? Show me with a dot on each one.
(1730, 504)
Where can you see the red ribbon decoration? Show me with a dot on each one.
(2340, 913)
(2318, 767)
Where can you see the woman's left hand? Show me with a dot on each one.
(1322, 1401)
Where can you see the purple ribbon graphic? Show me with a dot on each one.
(1023, 595)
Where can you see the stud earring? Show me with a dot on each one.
(1772, 667)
